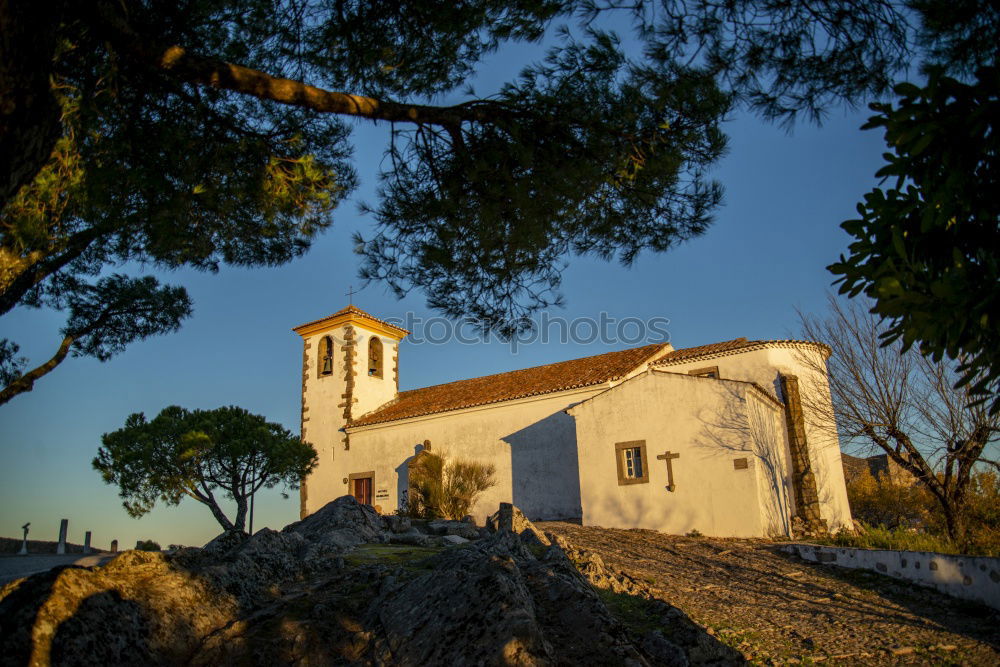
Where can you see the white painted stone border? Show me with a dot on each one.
(975, 578)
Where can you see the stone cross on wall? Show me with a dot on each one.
(668, 456)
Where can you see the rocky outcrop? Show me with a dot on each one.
(225, 542)
(511, 518)
(397, 524)
(342, 523)
(514, 608)
(329, 589)
(137, 609)
(591, 566)
(448, 527)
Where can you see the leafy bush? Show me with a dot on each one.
(900, 516)
(147, 545)
(426, 486)
(899, 538)
(442, 489)
(982, 515)
(885, 502)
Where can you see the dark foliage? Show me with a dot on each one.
(209, 132)
(196, 453)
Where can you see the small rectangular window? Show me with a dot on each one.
(631, 462)
(709, 372)
(740, 464)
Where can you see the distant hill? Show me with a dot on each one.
(11, 545)
(877, 466)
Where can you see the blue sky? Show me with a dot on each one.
(765, 256)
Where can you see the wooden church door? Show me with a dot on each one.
(362, 490)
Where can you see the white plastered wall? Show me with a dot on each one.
(324, 399)
(321, 418)
(708, 423)
(763, 366)
(769, 442)
(371, 392)
(531, 442)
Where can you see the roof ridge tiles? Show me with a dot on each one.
(733, 346)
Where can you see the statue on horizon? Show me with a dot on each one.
(24, 543)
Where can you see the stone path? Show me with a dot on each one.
(15, 567)
(778, 609)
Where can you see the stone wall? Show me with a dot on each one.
(975, 578)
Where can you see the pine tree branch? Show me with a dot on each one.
(16, 283)
(26, 382)
(186, 65)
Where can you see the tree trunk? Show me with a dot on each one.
(954, 513)
(951, 523)
(241, 513)
(220, 516)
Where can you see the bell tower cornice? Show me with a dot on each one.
(355, 316)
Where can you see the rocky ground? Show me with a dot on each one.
(347, 586)
(775, 608)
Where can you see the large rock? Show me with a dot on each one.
(224, 543)
(343, 521)
(397, 523)
(137, 609)
(250, 571)
(509, 608)
(460, 528)
(592, 567)
(509, 517)
(267, 543)
(479, 597)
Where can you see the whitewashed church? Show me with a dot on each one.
(719, 438)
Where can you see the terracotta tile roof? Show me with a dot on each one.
(513, 384)
(734, 346)
(702, 350)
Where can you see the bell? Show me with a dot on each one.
(327, 365)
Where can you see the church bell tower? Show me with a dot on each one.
(349, 368)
